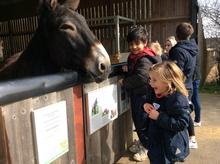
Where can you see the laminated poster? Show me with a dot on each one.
(102, 107)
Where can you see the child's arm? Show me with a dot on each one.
(140, 75)
(173, 123)
(177, 116)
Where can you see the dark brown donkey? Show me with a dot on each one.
(62, 41)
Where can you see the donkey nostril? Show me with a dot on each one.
(102, 67)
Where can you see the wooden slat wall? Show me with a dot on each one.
(160, 17)
(17, 129)
(16, 34)
(108, 144)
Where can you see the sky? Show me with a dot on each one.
(214, 30)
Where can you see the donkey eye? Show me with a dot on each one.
(68, 26)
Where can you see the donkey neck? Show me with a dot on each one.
(37, 56)
(36, 48)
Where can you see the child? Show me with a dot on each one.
(195, 96)
(168, 110)
(169, 43)
(156, 47)
(139, 62)
(184, 53)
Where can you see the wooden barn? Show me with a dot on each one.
(90, 139)
(109, 20)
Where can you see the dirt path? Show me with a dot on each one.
(208, 135)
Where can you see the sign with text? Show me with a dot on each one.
(102, 107)
(51, 133)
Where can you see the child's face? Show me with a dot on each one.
(167, 46)
(160, 87)
(136, 46)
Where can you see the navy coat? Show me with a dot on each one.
(168, 135)
(184, 53)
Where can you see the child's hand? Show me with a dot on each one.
(125, 68)
(120, 81)
(148, 107)
(152, 112)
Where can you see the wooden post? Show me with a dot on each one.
(78, 124)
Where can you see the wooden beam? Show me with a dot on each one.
(159, 19)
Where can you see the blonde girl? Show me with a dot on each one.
(168, 111)
(169, 76)
(169, 43)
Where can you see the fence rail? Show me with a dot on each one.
(16, 90)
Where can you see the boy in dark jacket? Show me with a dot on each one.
(184, 53)
(139, 62)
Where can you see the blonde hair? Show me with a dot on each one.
(172, 40)
(156, 47)
(171, 74)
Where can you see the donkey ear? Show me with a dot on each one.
(47, 5)
(71, 3)
(53, 4)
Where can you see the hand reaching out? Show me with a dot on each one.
(120, 81)
(125, 68)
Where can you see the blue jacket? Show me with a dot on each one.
(168, 135)
(184, 53)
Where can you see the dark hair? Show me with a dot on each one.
(136, 33)
(184, 31)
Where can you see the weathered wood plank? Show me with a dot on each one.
(17, 122)
(3, 140)
(19, 132)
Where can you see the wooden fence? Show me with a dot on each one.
(24, 104)
(18, 101)
(158, 16)
(17, 129)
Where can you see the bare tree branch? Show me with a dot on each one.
(210, 12)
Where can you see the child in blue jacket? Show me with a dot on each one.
(168, 110)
